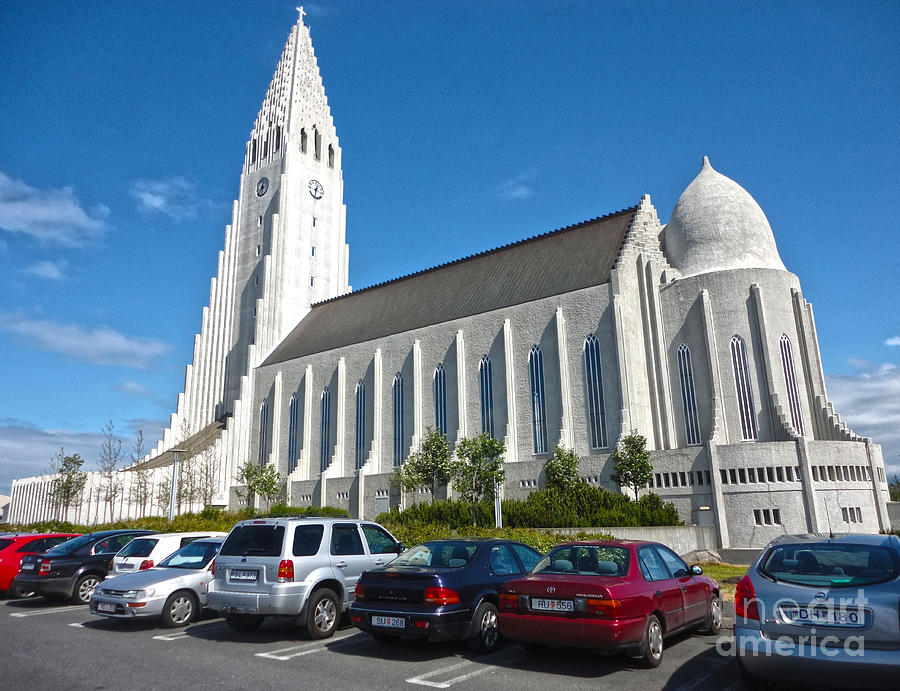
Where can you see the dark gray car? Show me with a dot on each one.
(822, 610)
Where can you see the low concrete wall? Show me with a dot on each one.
(681, 538)
(894, 514)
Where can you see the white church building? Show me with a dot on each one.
(692, 333)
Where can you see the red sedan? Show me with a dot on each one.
(14, 546)
(609, 596)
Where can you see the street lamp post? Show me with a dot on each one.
(174, 483)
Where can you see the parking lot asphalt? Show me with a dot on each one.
(47, 644)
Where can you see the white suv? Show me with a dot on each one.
(297, 567)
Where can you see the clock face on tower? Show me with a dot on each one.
(316, 189)
(262, 186)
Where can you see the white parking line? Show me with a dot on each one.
(424, 679)
(303, 649)
(184, 633)
(69, 608)
(77, 624)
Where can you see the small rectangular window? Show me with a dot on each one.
(757, 516)
(751, 474)
(858, 515)
(743, 475)
(658, 480)
(761, 474)
(724, 476)
(674, 479)
(259, 221)
(314, 221)
(798, 473)
(313, 251)
(767, 517)
(815, 470)
(831, 473)
(845, 514)
(779, 472)
(770, 474)
(837, 471)
(776, 516)
(732, 475)
(789, 474)
(699, 477)
(706, 473)
(666, 479)
(312, 281)
(683, 480)
(258, 250)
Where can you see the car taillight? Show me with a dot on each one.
(440, 596)
(509, 602)
(745, 603)
(359, 592)
(285, 571)
(604, 608)
(45, 568)
(146, 564)
(111, 565)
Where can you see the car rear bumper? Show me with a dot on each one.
(149, 607)
(286, 601)
(581, 632)
(431, 625)
(45, 585)
(849, 664)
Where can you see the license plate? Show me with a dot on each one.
(27, 567)
(389, 622)
(552, 605)
(823, 616)
(126, 567)
(243, 575)
(106, 607)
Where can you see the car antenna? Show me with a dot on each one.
(828, 518)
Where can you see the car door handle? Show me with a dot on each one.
(683, 589)
(659, 593)
(379, 562)
(341, 564)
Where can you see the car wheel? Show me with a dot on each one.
(243, 623)
(322, 613)
(651, 649)
(712, 625)
(484, 632)
(84, 588)
(179, 610)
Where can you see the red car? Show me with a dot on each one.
(14, 546)
(610, 596)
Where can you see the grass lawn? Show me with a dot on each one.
(727, 575)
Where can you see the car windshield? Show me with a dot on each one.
(257, 540)
(195, 555)
(448, 554)
(70, 546)
(585, 560)
(139, 547)
(830, 564)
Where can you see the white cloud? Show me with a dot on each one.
(172, 197)
(519, 187)
(138, 390)
(51, 216)
(48, 269)
(870, 405)
(100, 345)
(895, 341)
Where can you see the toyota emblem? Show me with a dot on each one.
(551, 589)
(821, 596)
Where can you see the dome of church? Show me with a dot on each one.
(716, 226)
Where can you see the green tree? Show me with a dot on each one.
(894, 487)
(265, 482)
(108, 462)
(631, 463)
(246, 476)
(561, 470)
(68, 485)
(478, 469)
(429, 466)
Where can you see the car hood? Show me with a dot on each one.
(147, 578)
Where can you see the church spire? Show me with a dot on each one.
(295, 106)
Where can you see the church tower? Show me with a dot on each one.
(285, 249)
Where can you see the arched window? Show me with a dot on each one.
(303, 138)
(293, 432)
(360, 424)
(263, 431)
(317, 143)
(593, 381)
(743, 388)
(688, 397)
(398, 418)
(330, 156)
(324, 453)
(440, 399)
(538, 403)
(486, 384)
(790, 379)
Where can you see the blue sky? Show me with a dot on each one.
(464, 126)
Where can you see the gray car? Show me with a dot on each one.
(175, 591)
(821, 610)
(296, 567)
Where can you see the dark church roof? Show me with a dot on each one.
(561, 261)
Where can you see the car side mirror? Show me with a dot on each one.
(400, 548)
(696, 570)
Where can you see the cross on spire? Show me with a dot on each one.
(301, 11)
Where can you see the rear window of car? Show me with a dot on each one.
(4, 544)
(70, 546)
(307, 539)
(139, 547)
(439, 554)
(254, 540)
(830, 564)
(587, 560)
(194, 555)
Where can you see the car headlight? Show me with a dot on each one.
(138, 594)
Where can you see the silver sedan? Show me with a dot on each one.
(175, 590)
(821, 610)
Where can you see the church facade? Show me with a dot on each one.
(692, 333)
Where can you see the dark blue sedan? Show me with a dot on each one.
(441, 590)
